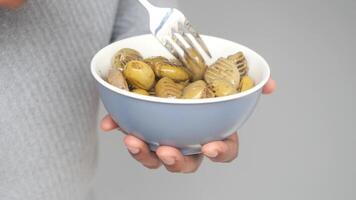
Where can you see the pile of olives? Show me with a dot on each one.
(161, 77)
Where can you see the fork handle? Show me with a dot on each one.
(157, 14)
(147, 5)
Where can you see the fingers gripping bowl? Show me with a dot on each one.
(182, 123)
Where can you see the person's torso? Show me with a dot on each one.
(48, 100)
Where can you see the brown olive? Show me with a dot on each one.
(173, 72)
(223, 69)
(197, 90)
(246, 83)
(123, 56)
(240, 62)
(222, 88)
(140, 91)
(196, 64)
(117, 79)
(139, 75)
(167, 88)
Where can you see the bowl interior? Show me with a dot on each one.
(148, 46)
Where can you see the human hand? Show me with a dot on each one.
(174, 161)
(12, 4)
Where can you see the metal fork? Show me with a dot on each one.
(175, 32)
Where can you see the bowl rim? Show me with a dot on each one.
(102, 82)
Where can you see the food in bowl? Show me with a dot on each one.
(122, 57)
(161, 77)
(186, 124)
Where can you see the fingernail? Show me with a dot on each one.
(212, 154)
(133, 150)
(168, 161)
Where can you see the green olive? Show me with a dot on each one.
(240, 62)
(167, 88)
(140, 91)
(197, 90)
(222, 88)
(183, 84)
(117, 79)
(237, 57)
(139, 75)
(196, 64)
(123, 56)
(173, 72)
(243, 68)
(223, 69)
(246, 83)
(154, 60)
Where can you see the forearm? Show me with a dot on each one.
(132, 18)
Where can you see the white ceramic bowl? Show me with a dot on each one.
(184, 124)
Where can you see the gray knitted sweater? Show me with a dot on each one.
(48, 101)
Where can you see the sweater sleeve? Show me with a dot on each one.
(132, 18)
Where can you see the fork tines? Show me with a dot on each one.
(182, 39)
(189, 29)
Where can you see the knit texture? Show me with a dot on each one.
(48, 99)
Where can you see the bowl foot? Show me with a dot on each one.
(189, 150)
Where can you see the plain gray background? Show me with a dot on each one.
(300, 142)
